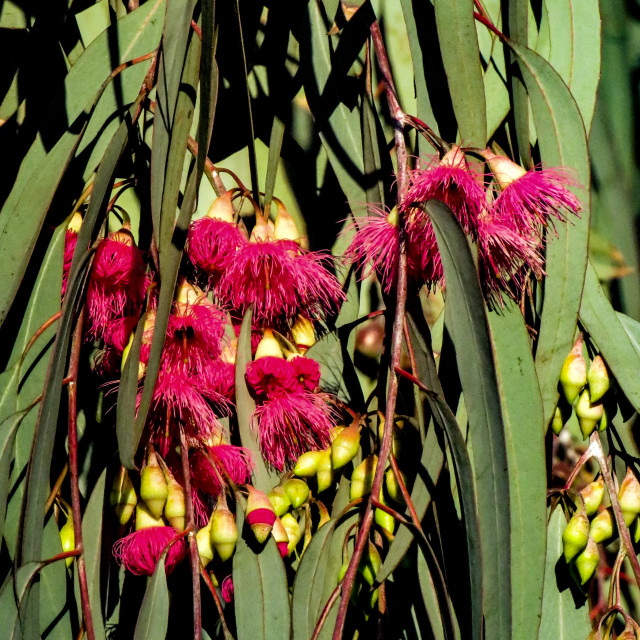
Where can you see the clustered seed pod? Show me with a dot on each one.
(576, 534)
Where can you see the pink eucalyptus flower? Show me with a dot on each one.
(220, 377)
(140, 551)
(270, 377)
(289, 425)
(70, 241)
(227, 589)
(307, 372)
(208, 472)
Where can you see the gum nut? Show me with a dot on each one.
(385, 520)
(205, 550)
(601, 528)
(345, 446)
(292, 528)
(307, 464)
(68, 539)
(362, 477)
(588, 414)
(598, 379)
(393, 486)
(587, 562)
(629, 496)
(223, 532)
(174, 509)
(576, 535)
(573, 375)
(222, 208)
(297, 491)
(259, 514)
(268, 346)
(153, 487)
(279, 501)
(592, 495)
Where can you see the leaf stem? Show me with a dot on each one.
(72, 390)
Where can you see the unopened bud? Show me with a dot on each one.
(68, 539)
(297, 491)
(279, 501)
(587, 561)
(307, 464)
(324, 472)
(598, 378)
(393, 486)
(629, 497)
(303, 334)
(592, 495)
(153, 486)
(294, 532)
(345, 446)
(75, 223)
(561, 415)
(576, 535)
(205, 550)
(605, 420)
(504, 170)
(573, 375)
(628, 632)
(222, 208)
(589, 414)
(281, 537)
(145, 519)
(224, 533)
(362, 477)
(123, 497)
(174, 509)
(259, 514)
(602, 525)
(384, 519)
(397, 444)
(370, 564)
(268, 346)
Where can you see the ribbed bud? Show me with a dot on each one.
(576, 535)
(587, 561)
(281, 537)
(223, 531)
(504, 170)
(393, 486)
(259, 514)
(307, 464)
(145, 519)
(324, 472)
(345, 446)
(205, 550)
(589, 414)
(598, 378)
(362, 477)
(629, 497)
(294, 532)
(153, 486)
(174, 509)
(370, 564)
(123, 497)
(303, 334)
(222, 208)
(297, 491)
(68, 539)
(592, 495)
(573, 375)
(279, 501)
(268, 346)
(602, 525)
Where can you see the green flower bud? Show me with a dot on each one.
(153, 486)
(223, 531)
(259, 514)
(561, 415)
(573, 375)
(345, 446)
(362, 477)
(629, 497)
(203, 539)
(589, 415)
(279, 501)
(384, 520)
(145, 519)
(397, 444)
(587, 561)
(601, 528)
(598, 379)
(370, 564)
(576, 535)
(68, 539)
(123, 497)
(307, 464)
(297, 491)
(324, 472)
(174, 509)
(592, 495)
(294, 532)
(393, 486)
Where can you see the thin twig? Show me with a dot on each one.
(487, 23)
(588, 454)
(194, 556)
(216, 599)
(623, 530)
(56, 487)
(396, 335)
(72, 390)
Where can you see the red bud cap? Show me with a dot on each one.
(259, 514)
(629, 497)
(281, 537)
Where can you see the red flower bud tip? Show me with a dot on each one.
(281, 537)
(294, 532)
(259, 514)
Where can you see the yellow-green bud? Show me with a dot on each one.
(370, 564)
(587, 561)
(589, 415)
(174, 509)
(297, 491)
(324, 472)
(268, 346)
(393, 486)
(294, 532)
(573, 375)
(384, 520)
(362, 477)
(397, 444)
(221, 208)
(345, 446)
(279, 501)
(123, 497)
(68, 539)
(598, 379)
(285, 227)
(592, 495)
(561, 415)
(145, 519)
(75, 223)
(205, 550)
(602, 525)
(223, 531)
(307, 464)
(303, 334)
(280, 537)
(628, 632)
(153, 486)
(576, 535)
(629, 497)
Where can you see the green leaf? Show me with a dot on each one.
(275, 146)
(430, 598)
(467, 324)
(461, 59)
(524, 430)
(371, 153)
(613, 333)
(153, 620)
(93, 21)
(260, 591)
(561, 619)
(562, 141)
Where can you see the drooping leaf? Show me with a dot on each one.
(154, 612)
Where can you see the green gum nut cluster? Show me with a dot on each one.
(153, 486)
(584, 387)
(122, 497)
(223, 532)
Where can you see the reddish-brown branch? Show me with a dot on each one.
(76, 345)
(325, 611)
(196, 29)
(194, 556)
(487, 23)
(216, 599)
(45, 325)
